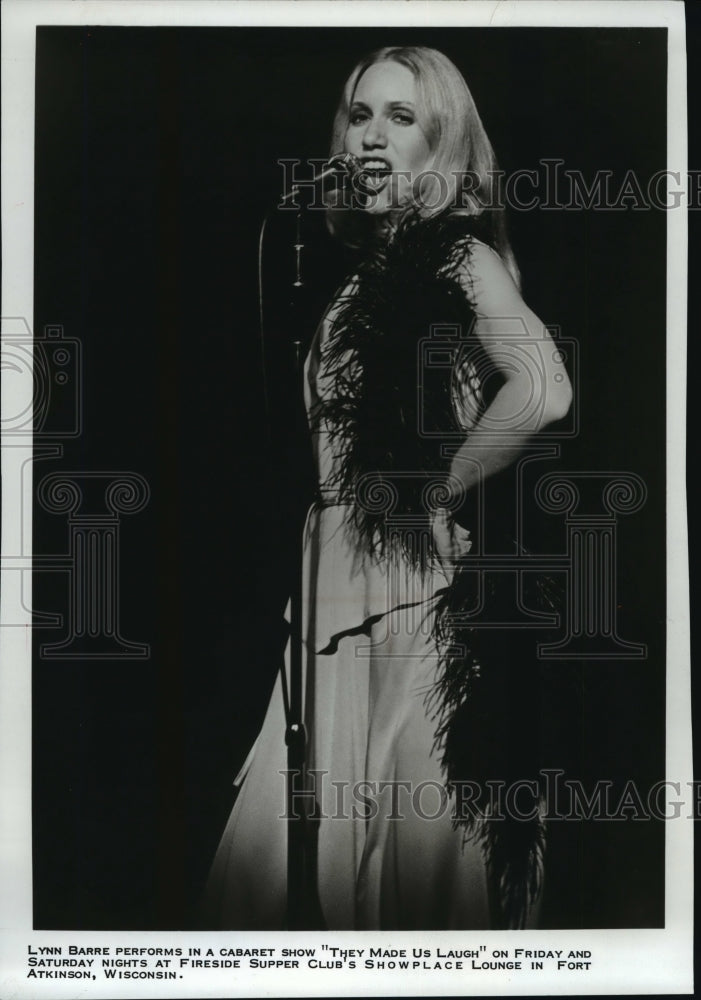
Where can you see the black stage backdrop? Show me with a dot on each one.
(156, 159)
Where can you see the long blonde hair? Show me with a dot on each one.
(458, 142)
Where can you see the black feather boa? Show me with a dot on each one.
(389, 413)
(486, 703)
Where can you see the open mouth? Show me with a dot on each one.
(375, 168)
(375, 174)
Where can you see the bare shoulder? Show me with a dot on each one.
(487, 280)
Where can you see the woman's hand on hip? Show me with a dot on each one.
(450, 541)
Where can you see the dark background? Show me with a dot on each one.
(156, 159)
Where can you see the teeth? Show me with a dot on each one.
(375, 165)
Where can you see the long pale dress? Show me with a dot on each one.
(369, 662)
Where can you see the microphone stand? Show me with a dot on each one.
(303, 909)
(303, 906)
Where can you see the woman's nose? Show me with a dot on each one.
(375, 134)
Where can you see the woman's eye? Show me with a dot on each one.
(357, 117)
(403, 118)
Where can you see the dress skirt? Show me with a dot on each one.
(389, 856)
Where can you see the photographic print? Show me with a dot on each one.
(343, 499)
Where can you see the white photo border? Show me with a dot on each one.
(647, 961)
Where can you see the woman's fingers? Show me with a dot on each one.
(452, 541)
(462, 537)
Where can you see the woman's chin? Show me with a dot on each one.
(383, 204)
(374, 203)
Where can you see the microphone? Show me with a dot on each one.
(341, 163)
(339, 166)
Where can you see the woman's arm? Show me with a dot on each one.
(536, 389)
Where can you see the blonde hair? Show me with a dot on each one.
(459, 145)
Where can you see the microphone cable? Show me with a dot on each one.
(344, 164)
(261, 331)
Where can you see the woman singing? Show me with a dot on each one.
(397, 713)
